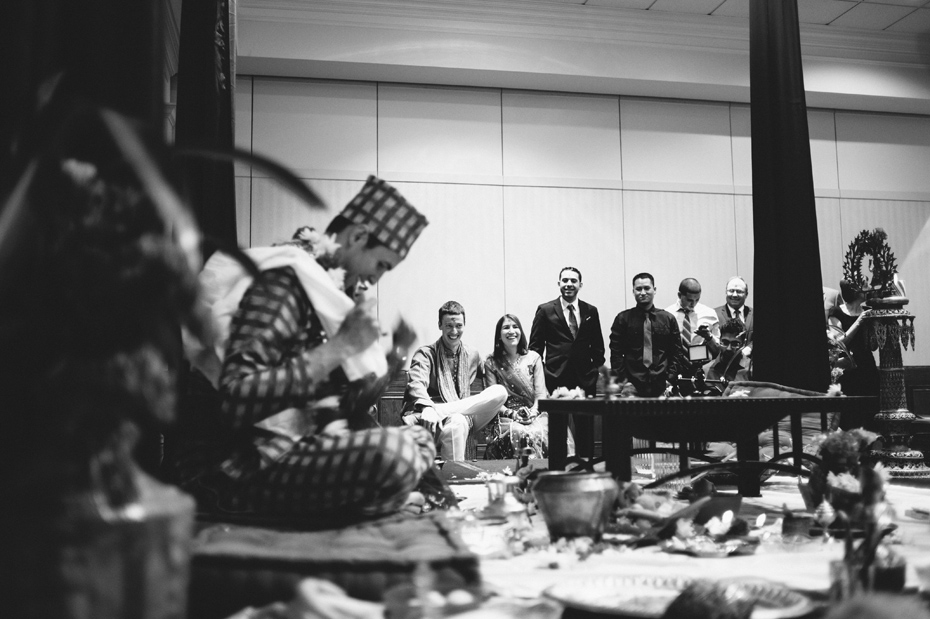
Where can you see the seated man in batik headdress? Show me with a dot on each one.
(266, 428)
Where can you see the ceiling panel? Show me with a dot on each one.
(912, 3)
(622, 4)
(904, 16)
(700, 7)
(871, 16)
(733, 8)
(917, 22)
(822, 11)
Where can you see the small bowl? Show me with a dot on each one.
(575, 504)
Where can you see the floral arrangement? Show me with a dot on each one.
(848, 489)
(109, 279)
(838, 355)
(844, 455)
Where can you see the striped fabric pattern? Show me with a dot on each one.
(268, 368)
(369, 472)
(268, 358)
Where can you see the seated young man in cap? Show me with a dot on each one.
(259, 429)
(438, 394)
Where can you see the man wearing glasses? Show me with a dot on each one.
(729, 364)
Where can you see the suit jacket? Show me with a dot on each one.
(570, 362)
(723, 317)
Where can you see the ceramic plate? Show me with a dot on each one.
(840, 532)
(648, 597)
(704, 547)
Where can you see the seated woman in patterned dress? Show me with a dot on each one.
(520, 371)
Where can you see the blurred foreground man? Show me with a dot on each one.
(270, 435)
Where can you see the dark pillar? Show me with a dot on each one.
(789, 334)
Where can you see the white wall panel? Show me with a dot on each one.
(745, 243)
(883, 156)
(832, 246)
(546, 229)
(242, 114)
(676, 146)
(823, 150)
(443, 134)
(561, 139)
(277, 213)
(679, 235)
(741, 130)
(820, 126)
(317, 129)
(906, 224)
(498, 238)
(243, 210)
(459, 256)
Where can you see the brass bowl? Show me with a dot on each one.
(575, 504)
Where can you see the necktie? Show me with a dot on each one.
(572, 321)
(647, 341)
(686, 335)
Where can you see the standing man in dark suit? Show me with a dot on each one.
(567, 334)
(736, 308)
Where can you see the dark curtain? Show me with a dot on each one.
(789, 335)
(108, 52)
(205, 114)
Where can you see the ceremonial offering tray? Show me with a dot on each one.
(648, 596)
(706, 548)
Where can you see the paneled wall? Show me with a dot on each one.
(517, 184)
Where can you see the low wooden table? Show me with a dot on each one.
(682, 420)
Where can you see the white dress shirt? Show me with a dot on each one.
(700, 315)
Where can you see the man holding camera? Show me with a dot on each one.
(698, 326)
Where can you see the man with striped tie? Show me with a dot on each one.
(698, 326)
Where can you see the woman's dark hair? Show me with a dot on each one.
(499, 345)
(849, 291)
(733, 326)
